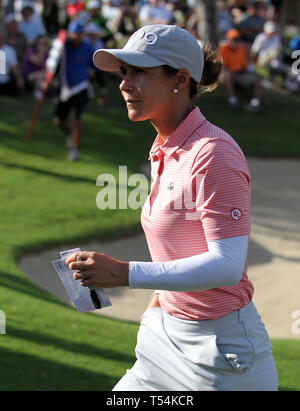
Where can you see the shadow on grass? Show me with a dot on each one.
(48, 173)
(35, 373)
(17, 283)
(76, 348)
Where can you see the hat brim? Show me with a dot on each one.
(110, 59)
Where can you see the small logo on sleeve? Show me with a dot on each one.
(236, 214)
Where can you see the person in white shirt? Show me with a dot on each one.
(267, 45)
(155, 13)
(10, 76)
(112, 11)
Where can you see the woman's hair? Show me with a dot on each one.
(211, 71)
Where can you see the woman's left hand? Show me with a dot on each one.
(99, 270)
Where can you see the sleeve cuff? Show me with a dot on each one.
(132, 274)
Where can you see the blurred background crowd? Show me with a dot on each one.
(256, 40)
(250, 34)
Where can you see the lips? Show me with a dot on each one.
(131, 101)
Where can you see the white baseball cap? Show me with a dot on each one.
(156, 45)
(270, 27)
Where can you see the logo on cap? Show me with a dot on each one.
(151, 38)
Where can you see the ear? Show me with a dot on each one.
(182, 79)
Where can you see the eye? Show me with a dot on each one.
(123, 71)
(139, 70)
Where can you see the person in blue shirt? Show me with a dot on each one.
(31, 24)
(294, 44)
(77, 59)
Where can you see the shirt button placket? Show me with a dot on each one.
(154, 190)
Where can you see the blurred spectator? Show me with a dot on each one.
(294, 44)
(120, 16)
(225, 22)
(76, 61)
(92, 32)
(50, 16)
(273, 10)
(267, 45)
(6, 6)
(14, 37)
(33, 67)
(180, 10)
(155, 12)
(262, 9)
(128, 18)
(31, 24)
(94, 15)
(11, 80)
(94, 12)
(112, 11)
(74, 7)
(241, 4)
(90, 12)
(236, 71)
(251, 25)
(238, 15)
(1, 14)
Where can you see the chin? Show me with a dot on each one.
(136, 116)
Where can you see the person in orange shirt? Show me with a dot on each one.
(235, 70)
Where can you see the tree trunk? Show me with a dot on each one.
(206, 12)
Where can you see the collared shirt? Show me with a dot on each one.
(264, 43)
(8, 59)
(33, 28)
(200, 192)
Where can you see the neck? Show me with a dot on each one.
(166, 124)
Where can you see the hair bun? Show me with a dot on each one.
(212, 69)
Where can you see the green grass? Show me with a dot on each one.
(287, 359)
(45, 200)
(272, 134)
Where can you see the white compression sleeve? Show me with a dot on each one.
(221, 266)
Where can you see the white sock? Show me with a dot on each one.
(255, 102)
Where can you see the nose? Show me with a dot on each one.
(126, 84)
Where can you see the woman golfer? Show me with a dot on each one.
(201, 330)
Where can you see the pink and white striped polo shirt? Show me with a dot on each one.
(200, 192)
